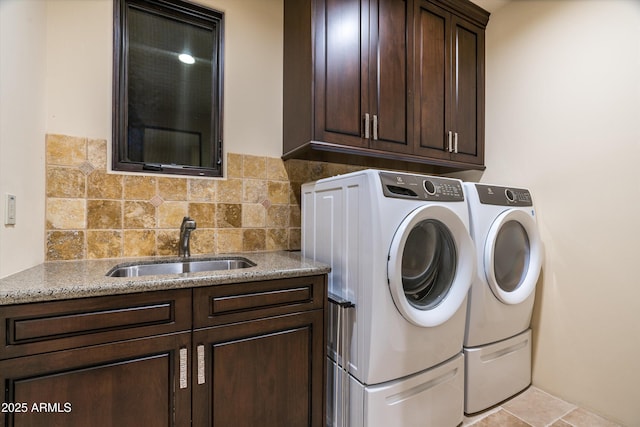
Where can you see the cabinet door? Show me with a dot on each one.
(341, 70)
(468, 91)
(390, 63)
(266, 372)
(132, 383)
(432, 80)
(449, 86)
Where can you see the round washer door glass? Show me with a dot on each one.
(428, 264)
(513, 256)
(431, 263)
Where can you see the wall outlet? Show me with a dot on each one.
(10, 210)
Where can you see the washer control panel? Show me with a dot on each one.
(421, 187)
(503, 196)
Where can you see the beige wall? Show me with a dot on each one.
(253, 75)
(64, 87)
(22, 123)
(563, 118)
(79, 60)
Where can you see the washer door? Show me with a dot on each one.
(431, 264)
(513, 256)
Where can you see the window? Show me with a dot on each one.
(167, 96)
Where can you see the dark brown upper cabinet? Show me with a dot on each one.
(449, 108)
(167, 88)
(396, 83)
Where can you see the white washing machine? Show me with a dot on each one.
(497, 343)
(402, 262)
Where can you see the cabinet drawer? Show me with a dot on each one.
(43, 327)
(216, 305)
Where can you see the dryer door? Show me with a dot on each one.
(513, 256)
(431, 264)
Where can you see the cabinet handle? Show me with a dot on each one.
(455, 142)
(201, 374)
(375, 127)
(183, 368)
(366, 125)
(450, 146)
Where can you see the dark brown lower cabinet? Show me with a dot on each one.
(128, 384)
(266, 372)
(244, 354)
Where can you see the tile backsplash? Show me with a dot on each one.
(93, 214)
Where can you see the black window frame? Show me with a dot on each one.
(185, 12)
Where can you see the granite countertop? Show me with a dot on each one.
(60, 280)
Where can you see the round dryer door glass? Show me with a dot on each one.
(431, 264)
(428, 264)
(511, 256)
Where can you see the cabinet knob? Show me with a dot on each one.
(455, 142)
(450, 141)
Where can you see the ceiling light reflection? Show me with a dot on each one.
(186, 58)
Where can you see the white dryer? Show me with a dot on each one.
(497, 343)
(401, 255)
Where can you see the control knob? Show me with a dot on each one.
(429, 187)
(510, 195)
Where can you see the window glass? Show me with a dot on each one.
(168, 88)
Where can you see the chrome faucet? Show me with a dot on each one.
(188, 225)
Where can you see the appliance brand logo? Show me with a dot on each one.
(399, 179)
(490, 190)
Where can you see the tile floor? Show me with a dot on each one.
(535, 408)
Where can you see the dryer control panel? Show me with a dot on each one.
(503, 196)
(421, 187)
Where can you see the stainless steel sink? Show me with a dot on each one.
(151, 268)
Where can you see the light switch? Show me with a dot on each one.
(10, 210)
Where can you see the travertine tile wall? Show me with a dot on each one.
(93, 214)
